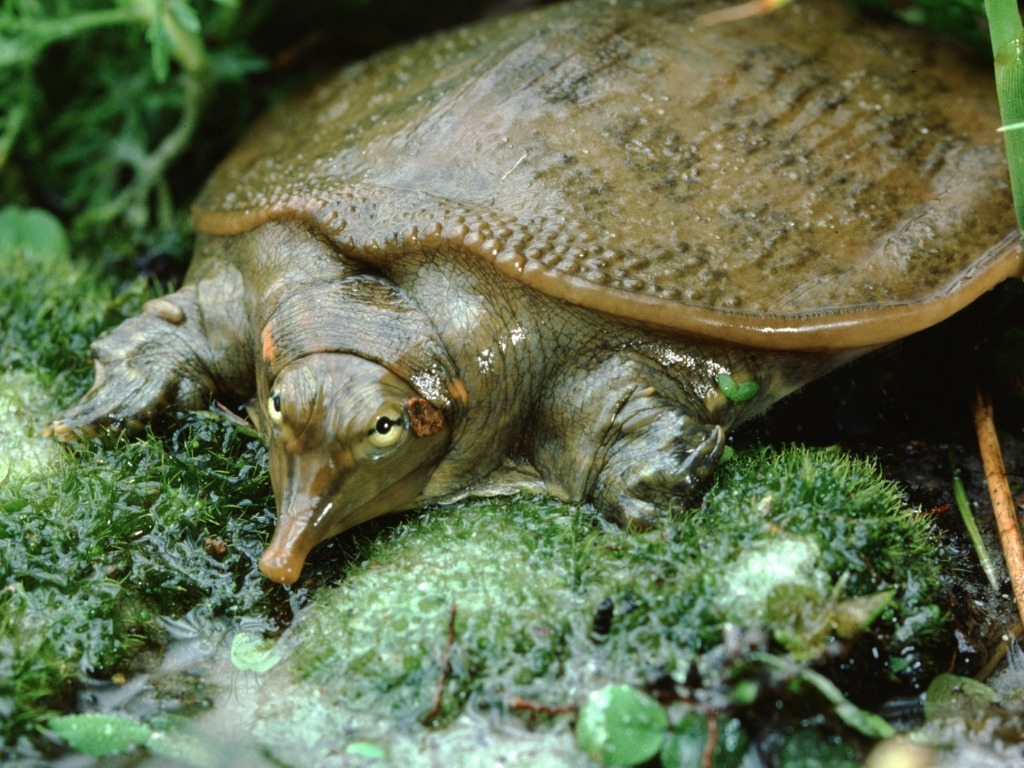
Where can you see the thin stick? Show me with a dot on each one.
(518, 702)
(707, 758)
(445, 665)
(1002, 501)
(231, 414)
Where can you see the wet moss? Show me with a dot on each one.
(99, 542)
(524, 581)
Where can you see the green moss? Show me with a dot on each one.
(858, 521)
(96, 544)
(525, 581)
(92, 551)
(21, 450)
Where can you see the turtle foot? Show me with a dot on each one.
(663, 470)
(146, 364)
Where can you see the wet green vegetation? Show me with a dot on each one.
(797, 552)
(550, 603)
(96, 544)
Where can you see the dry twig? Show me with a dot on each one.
(707, 758)
(1002, 501)
(445, 665)
(518, 702)
(1012, 635)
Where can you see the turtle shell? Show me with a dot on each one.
(810, 179)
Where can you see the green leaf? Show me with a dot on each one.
(738, 393)
(810, 748)
(184, 748)
(954, 696)
(364, 749)
(32, 233)
(157, 37)
(99, 735)
(255, 653)
(184, 14)
(17, 50)
(851, 617)
(621, 725)
(233, 64)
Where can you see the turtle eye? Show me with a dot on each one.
(274, 407)
(387, 430)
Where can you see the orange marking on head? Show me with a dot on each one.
(269, 350)
(457, 389)
(344, 459)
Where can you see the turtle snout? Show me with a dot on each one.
(280, 566)
(283, 559)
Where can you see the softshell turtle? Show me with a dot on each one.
(543, 238)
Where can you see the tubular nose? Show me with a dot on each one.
(280, 567)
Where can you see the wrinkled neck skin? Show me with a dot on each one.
(336, 348)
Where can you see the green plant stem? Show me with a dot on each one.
(1008, 50)
(15, 120)
(149, 170)
(972, 527)
(187, 48)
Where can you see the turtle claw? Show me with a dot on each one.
(681, 454)
(146, 364)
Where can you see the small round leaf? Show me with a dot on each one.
(255, 653)
(621, 725)
(738, 393)
(33, 234)
(364, 749)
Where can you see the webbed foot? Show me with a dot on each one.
(649, 474)
(146, 364)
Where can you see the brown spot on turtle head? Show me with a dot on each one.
(425, 418)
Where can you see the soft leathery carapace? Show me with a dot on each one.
(541, 239)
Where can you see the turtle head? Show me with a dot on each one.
(349, 440)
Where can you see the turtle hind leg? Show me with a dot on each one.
(157, 360)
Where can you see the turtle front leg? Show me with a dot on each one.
(182, 349)
(657, 458)
(628, 438)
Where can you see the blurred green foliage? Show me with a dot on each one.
(113, 112)
(100, 103)
(964, 19)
